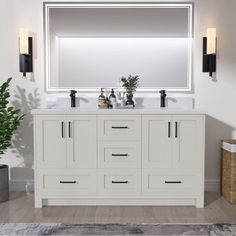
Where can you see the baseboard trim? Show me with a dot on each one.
(211, 185)
(22, 185)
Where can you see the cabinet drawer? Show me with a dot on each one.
(171, 182)
(121, 127)
(67, 182)
(119, 182)
(119, 154)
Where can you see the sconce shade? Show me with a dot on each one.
(24, 45)
(211, 41)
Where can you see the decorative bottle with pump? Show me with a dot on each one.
(102, 100)
(112, 99)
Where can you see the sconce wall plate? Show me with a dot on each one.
(26, 60)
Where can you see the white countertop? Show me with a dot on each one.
(135, 111)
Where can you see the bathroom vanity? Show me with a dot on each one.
(119, 157)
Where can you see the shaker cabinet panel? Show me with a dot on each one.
(81, 142)
(188, 146)
(66, 141)
(169, 182)
(119, 127)
(156, 141)
(175, 141)
(51, 141)
(119, 182)
(119, 154)
(65, 182)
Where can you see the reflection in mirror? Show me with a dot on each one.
(94, 45)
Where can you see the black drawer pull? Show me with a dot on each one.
(119, 155)
(176, 129)
(69, 129)
(67, 182)
(169, 129)
(119, 127)
(173, 182)
(62, 130)
(119, 182)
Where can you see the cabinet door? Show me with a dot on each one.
(188, 141)
(50, 141)
(81, 141)
(156, 141)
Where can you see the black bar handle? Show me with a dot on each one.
(119, 127)
(62, 129)
(169, 129)
(173, 182)
(119, 182)
(119, 155)
(67, 182)
(176, 129)
(69, 129)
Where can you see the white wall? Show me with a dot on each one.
(217, 96)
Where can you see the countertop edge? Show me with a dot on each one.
(115, 111)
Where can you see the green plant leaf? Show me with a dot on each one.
(10, 117)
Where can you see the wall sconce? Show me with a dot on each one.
(209, 52)
(26, 51)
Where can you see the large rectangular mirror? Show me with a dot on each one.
(89, 46)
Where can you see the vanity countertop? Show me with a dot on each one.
(135, 111)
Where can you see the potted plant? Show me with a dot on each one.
(10, 118)
(130, 84)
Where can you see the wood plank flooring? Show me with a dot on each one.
(20, 209)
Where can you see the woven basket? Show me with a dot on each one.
(228, 171)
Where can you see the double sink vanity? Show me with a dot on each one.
(87, 156)
(119, 157)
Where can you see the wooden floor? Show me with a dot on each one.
(20, 209)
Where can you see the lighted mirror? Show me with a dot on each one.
(89, 46)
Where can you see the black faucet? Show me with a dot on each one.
(163, 98)
(73, 98)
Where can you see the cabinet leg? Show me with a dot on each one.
(200, 202)
(38, 202)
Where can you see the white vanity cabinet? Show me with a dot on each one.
(65, 141)
(173, 156)
(172, 141)
(106, 157)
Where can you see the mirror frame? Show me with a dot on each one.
(152, 4)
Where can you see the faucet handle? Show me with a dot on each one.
(73, 91)
(163, 92)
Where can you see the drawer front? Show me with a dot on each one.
(66, 182)
(171, 183)
(121, 127)
(119, 154)
(120, 182)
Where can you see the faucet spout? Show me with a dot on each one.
(163, 98)
(73, 98)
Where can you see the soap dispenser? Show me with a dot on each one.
(102, 100)
(112, 99)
